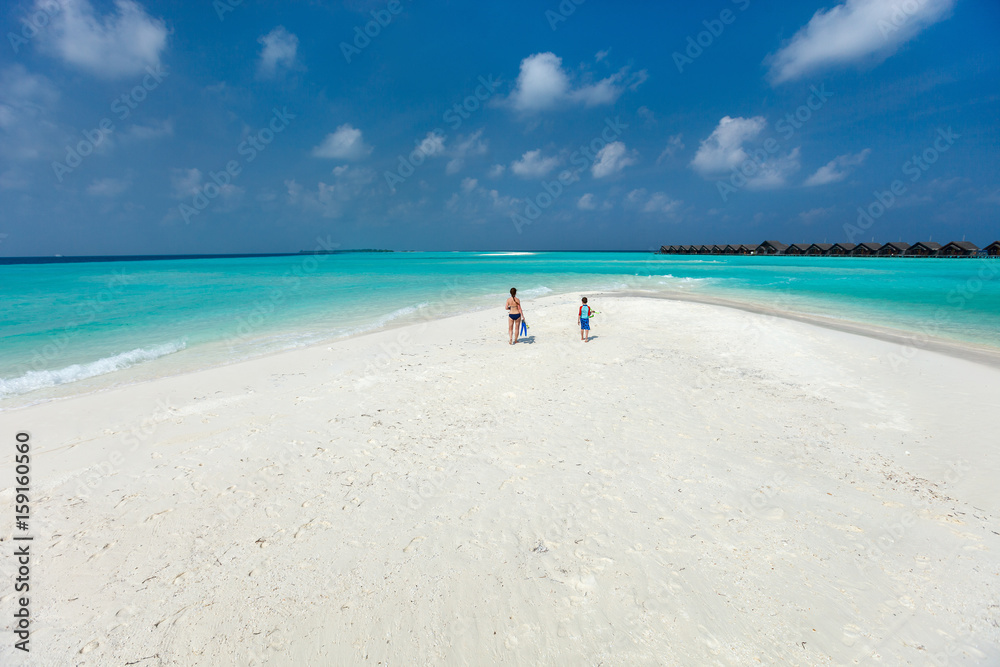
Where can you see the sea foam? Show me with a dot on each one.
(33, 380)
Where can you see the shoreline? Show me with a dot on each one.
(968, 351)
(955, 348)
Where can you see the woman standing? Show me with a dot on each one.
(514, 318)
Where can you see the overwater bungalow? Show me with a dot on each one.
(718, 249)
(993, 249)
(771, 248)
(704, 250)
(958, 249)
(923, 249)
(729, 249)
(665, 250)
(867, 249)
(893, 249)
(840, 249)
(817, 249)
(744, 249)
(797, 249)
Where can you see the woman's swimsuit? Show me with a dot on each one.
(515, 317)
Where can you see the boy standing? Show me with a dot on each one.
(583, 318)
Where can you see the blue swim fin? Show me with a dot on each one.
(524, 327)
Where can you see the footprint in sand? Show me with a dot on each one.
(303, 529)
(100, 553)
(90, 646)
(851, 634)
(413, 543)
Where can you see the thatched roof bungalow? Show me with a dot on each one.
(923, 249)
(817, 249)
(893, 249)
(771, 248)
(958, 249)
(840, 249)
(993, 249)
(867, 249)
(797, 249)
(718, 249)
(704, 250)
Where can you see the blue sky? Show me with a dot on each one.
(175, 127)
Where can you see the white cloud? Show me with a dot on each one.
(122, 43)
(533, 165)
(723, 149)
(186, 182)
(330, 199)
(471, 145)
(857, 31)
(108, 187)
(674, 145)
(433, 144)
(612, 159)
(837, 169)
(543, 84)
(658, 202)
(470, 202)
(586, 202)
(154, 130)
(14, 179)
(26, 101)
(601, 55)
(496, 171)
(278, 51)
(774, 172)
(344, 144)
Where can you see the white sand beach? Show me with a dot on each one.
(697, 485)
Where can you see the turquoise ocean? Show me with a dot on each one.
(77, 327)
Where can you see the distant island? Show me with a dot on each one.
(341, 252)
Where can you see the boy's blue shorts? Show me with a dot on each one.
(585, 325)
